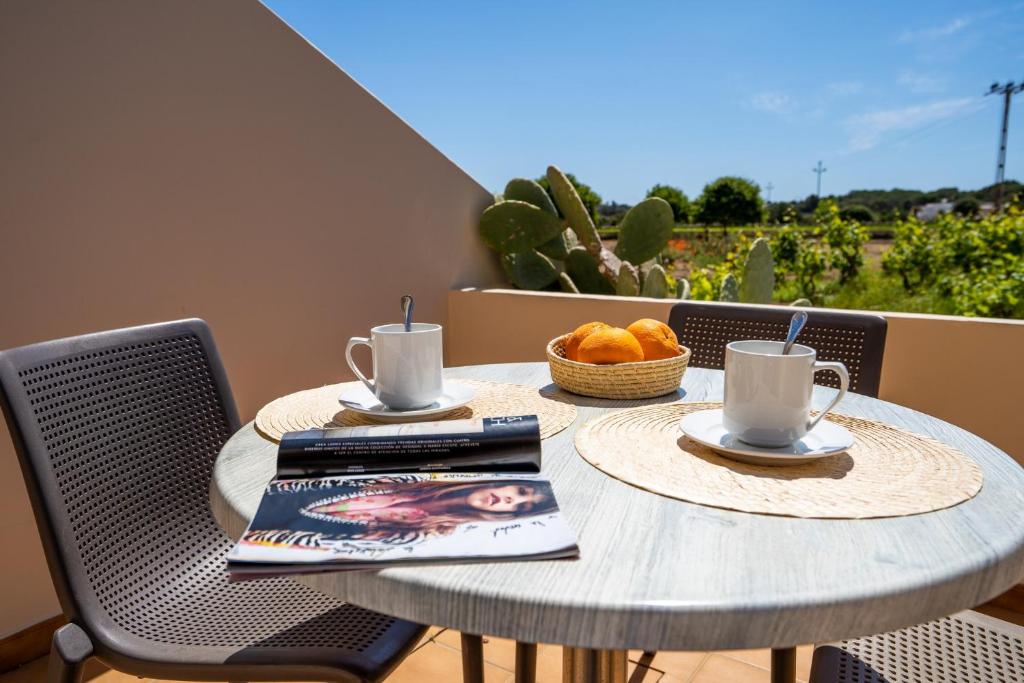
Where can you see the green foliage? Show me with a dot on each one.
(977, 262)
(558, 247)
(566, 284)
(844, 240)
(645, 230)
(591, 200)
(730, 201)
(572, 207)
(676, 198)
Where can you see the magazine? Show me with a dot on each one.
(378, 517)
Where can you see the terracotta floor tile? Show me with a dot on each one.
(436, 662)
(763, 658)
(680, 664)
(718, 668)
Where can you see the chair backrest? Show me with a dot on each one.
(857, 340)
(116, 433)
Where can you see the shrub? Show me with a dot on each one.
(730, 201)
(859, 213)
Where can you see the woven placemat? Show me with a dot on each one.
(888, 472)
(319, 408)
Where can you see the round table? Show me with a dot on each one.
(656, 573)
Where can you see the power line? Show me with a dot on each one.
(819, 169)
(769, 187)
(1007, 90)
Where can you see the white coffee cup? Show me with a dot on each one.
(768, 395)
(406, 365)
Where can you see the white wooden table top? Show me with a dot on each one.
(661, 574)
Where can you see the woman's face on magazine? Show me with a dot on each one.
(510, 498)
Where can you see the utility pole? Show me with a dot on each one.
(819, 169)
(1007, 90)
(769, 187)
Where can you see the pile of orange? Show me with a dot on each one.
(603, 344)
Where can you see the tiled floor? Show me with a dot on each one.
(437, 658)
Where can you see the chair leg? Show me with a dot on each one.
(472, 658)
(68, 651)
(526, 662)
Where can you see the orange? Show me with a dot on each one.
(609, 345)
(656, 339)
(572, 344)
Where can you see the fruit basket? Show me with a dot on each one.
(643, 379)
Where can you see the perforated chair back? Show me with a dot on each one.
(117, 434)
(857, 340)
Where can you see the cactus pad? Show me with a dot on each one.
(730, 289)
(628, 282)
(655, 283)
(645, 230)
(572, 207)
(758, 274)
(530, 269)
(682, 288)
(526, 190)
(566, 283)
(514, 226)
(582, 268)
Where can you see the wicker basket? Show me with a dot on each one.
(645, 379)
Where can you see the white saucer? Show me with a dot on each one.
(827, 438)
(361, 400)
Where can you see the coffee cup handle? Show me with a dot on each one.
(352, 343)
(844, 384)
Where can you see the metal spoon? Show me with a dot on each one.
(796, 323)
(407, 311)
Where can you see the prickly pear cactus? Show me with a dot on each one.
(628, 283)
(512, 226)
(682, 288)
(566, 283)
(530, 269)
(582, 268)
(575, 212)
(645, 230)
(758, 274)
(526, 190)
(730, 289)
(802, 302)
(655, 283)
(558, 248)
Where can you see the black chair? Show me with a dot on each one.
(967, 646)
(117, 433)
(857, 340)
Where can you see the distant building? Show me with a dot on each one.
(928, 212)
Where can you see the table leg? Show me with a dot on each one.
(582, 665)
(526, 662)
(472, 658)
(784, 665)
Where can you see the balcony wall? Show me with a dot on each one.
(169, 158)
(964, 370)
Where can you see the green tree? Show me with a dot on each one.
(591, 199)
(967, 206)
(859, 213)
(730, 201)
(676, 198)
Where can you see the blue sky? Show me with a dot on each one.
(626, 95)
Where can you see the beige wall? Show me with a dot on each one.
(174, 158)
(964, 370)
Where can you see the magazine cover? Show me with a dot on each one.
(370, 521)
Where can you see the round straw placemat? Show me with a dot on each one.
(319, 408)
(888, 472)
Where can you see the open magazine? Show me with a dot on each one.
(431, 512)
